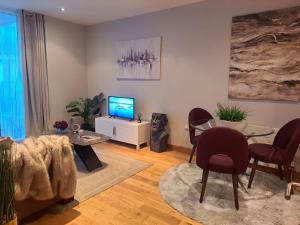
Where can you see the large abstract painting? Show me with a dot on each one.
(139, 59)
(265, 56)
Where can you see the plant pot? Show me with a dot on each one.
(237, 125)
(13, 222)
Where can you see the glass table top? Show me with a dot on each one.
(249, 130)
(83, 138)
(87, 138)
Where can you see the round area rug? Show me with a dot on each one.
(263, 205)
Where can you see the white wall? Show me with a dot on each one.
(195, 62)
(66, 54)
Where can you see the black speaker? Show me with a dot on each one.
(159, 134)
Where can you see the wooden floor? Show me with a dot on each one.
(135, 201)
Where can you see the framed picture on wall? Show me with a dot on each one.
(265, 56)
(139, 59)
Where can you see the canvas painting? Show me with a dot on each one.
(265, 56)
(139, 59)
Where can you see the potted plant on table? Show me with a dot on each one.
(231, 116)
(7, 213)
(87, 109)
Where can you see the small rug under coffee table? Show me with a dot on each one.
(116, 168)
(264, 205)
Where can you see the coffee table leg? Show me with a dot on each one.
(88, 156)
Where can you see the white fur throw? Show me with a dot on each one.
(44, 167)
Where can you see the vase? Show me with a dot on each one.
(60, 131)
(236, 125)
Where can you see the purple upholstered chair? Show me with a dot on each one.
(281, 152)
(197, 116)
(223, 150)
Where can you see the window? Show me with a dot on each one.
(12, 107)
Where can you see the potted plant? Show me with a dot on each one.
(7, 213)
(87, 109)
(231, 116)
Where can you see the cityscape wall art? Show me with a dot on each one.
(139, 59)
(265, 56)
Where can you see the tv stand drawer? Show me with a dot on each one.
(125, 133)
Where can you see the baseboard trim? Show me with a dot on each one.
(295, 176)
(179, 148)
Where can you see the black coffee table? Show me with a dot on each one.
(83, 147)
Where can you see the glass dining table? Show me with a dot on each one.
(249, 130)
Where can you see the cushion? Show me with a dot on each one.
(221, 163)
(266, 153)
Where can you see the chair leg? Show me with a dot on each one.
(204, 181)
(202, 177)
(242, 185)
(280, 172)
(254, 166)
(192, 153)
(287, 173)
(235, 190)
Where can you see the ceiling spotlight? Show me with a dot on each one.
(62, 9)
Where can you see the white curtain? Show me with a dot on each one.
(35, 72)
(12, 112)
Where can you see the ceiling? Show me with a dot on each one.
(87, 12)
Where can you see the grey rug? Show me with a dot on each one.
(264, 205)
(116, 169)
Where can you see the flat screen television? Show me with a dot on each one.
(121, 107)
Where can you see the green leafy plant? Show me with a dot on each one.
(6, 182)
(231, 113)
(87, 109)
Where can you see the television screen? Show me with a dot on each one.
(121, 107)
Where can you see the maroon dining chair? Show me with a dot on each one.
(222, 150)
(281, 152)
(197, 116)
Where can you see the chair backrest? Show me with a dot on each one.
(226, 141)
(288, 140)
(197, 115)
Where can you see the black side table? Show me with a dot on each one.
(83, 148)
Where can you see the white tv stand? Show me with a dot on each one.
(130, 132)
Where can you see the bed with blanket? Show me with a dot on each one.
(44, 173)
